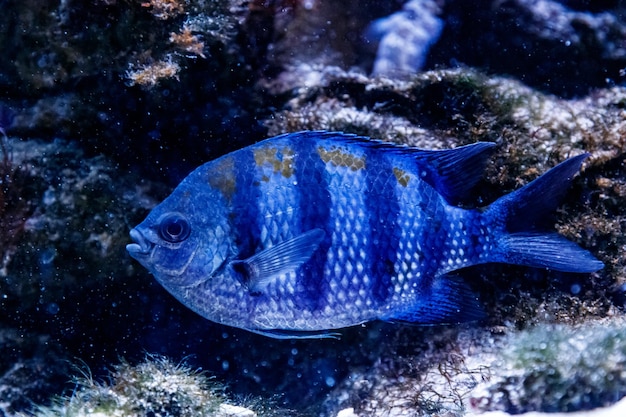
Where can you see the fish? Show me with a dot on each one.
(303, 234)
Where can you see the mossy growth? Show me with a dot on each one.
(155, 387)
(558, 368)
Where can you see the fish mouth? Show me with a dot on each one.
(141, 246)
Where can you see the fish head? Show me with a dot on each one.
(182, 241)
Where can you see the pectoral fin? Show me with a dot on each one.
(261, 268)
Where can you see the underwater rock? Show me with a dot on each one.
(458, 372)
(61, 43)
(154, 387)
(543, 43)
(103, 72)
(66, 271)
(616, 410)
(557, 368)
(31, 366)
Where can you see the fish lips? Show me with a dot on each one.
(160, 260)
(141, 248)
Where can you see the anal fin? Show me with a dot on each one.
(448, 301)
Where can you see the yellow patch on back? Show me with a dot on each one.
(341, 159)
(402, 177)
(222, 176)
(282, 164)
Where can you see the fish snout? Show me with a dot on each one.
(141, 245)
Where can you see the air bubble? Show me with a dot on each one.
(52, 309)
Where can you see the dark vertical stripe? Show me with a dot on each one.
(315, 208)
(383, 208)
(245, 213)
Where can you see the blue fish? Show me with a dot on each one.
(305, 233)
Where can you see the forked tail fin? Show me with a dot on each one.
(521, 214)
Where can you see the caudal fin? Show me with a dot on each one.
(523, 212)
(548, 251)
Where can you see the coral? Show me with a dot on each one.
(165, 9)
(151, 74)
(156, 386)
(405, 38)
(188, 42)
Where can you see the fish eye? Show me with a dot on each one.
(174, 228)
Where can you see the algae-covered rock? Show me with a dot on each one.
(456, 372)
(65, 269)
(31, 367)
(154, 387)
(63, 42)
(78, 214)
(557, 368)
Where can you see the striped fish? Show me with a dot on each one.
(308, 232)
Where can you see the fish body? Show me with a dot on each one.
(308, 232)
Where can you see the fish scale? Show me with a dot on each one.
(305, 233)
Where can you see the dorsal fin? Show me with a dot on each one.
(452, 172)
(455, 172)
